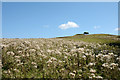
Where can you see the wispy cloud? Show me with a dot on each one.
(69, 24)
(96, 27)
(117, 29)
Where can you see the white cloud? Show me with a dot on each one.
(68, 25)
(96, 27)
(117, 29)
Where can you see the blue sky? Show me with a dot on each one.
(52, 19)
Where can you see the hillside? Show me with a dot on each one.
(95, 56)
(95, 38)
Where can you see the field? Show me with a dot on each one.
(95, 56)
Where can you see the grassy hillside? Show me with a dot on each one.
(95, 38)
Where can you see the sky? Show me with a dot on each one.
(57, 19)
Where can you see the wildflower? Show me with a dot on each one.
(53, 59)
(113, 65)
(115, 55)
(119, 69)
(17, 56)
(16, 70)
(37, 47)
(72, 75)
(19, 52)
(73, 50)
(27, 42)
(111, 54)
(18, 64)
(60, 61)
(27, 55)
(49, 51)
(106, 56)
(84, 57)
(105, 65)
(10, 53)
(118, 58)
(5, 71)
(92, 70)
(93, 75)
(3, 46)
(61, 70)
(91, 64)
(23, 55)
(90, 77)
(80, 75)
(33, 63)
(99, 77)
(35, 66)
(49, 61)
(99, 55)
(32, 50)
(44, 56)
(74, 71)
(86, 54)
(8, 71)
(65, 57)
(81, 49)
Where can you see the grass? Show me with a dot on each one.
(94, 38)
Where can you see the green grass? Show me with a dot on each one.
(94, 38)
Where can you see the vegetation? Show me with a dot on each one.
(86, 32)
(95, 56)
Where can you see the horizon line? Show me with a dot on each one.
(51, 37)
